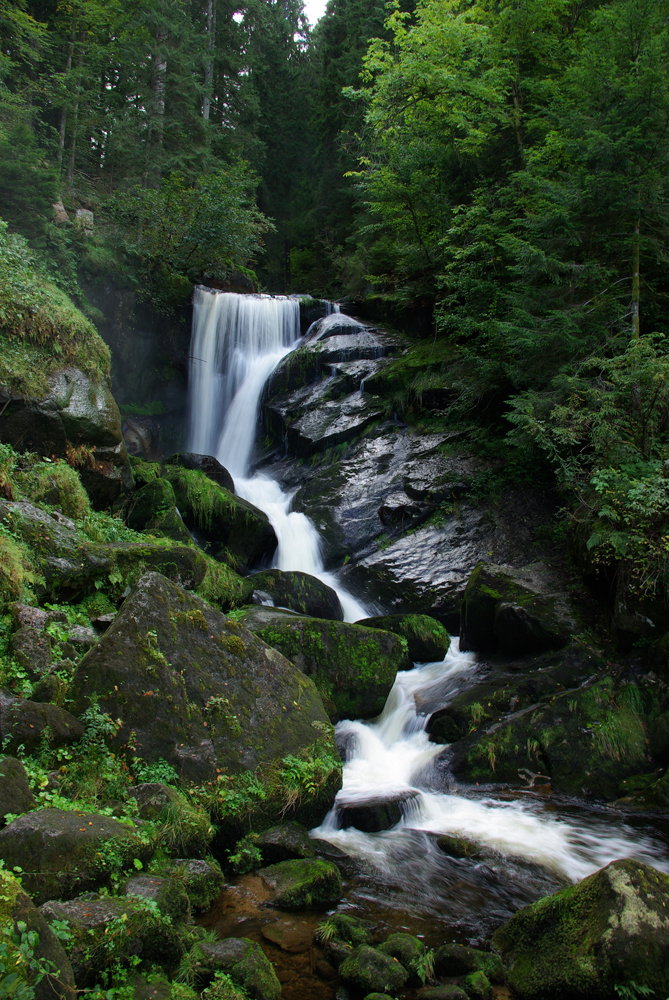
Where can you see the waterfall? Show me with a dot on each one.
(237, 342)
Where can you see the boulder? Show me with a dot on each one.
(202, 881)
(449, 991)
(211, 467)
(427, 639)
(65, 853)
(451, 960)
(109, 929)
(346, 928)
(148, 505)
(167, 893)
(235, 530)
(302, 884)
(79, 420)
(153, 798)
(477, 986)
(458, 847)
(374, 815)
(51, 689)
(15, 794)
(32, 651)
(410, 953)
(185, 828)
(610, 930)
(23, 722)
(499, 610)
(199, 690)
(300, 592)
(15, 907)
(70, 564)
(371, 971)
(25, 614)
(285, 842)
(245, 962)
(353, 667)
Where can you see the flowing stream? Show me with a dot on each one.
(528, 845)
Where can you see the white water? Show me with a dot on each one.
(394, 754)
(237, 342)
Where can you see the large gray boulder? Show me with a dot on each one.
(199, 690)
(15, 794)
(79, 420)
(300, 592)
(611, 930)
(23, 723)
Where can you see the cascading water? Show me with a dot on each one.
(237, 342)
(527, 847)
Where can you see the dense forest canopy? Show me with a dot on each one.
(499, 167)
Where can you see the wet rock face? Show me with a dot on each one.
(285, 842)
(301, 593)
(612, 929)
(303, 883)
(372, 971)
(78, 415)
(354, 668)
(61, 852)
(198, 689)
(211, 467)
(375, 815)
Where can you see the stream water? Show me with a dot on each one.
(529, 842)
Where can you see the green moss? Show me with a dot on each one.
(51, 483)
(204, 499)
(144, 472)
(303, 883)
(223, 587)
(18, 572)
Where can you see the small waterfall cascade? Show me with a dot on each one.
(237, 342)
(393, 755)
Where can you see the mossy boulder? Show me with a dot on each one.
(153, 509)
(66, 853)
(184, 828)
(202, 880)
(611, 929)
(235, 530)
(167, 893)
(344, 927)
(410, 953)
(584, 741)
(373, 815)
(457, 847)
(201, 691)
(303, 883)
(353, 667)
(246, 964)
(23, 723)
(451, 960)
(284, 843)
(17, 907)
(210, 466)
(32, 651)
(70, 564)
(427, 639)
(15, 794)
(477, 986)
(498, 610)
(108, 930)
(300, 592)
(370, 970)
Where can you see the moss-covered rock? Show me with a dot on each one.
(499, 610)
(353, 667)
(237, 532)
(344, 927)
(409, 952)
(457, 847)
(210, 466)
(612, 929)
(108, 930)
(184, 829)
(15, 907)
(65, 853)
(285, 842)
(15, 794)
(167, 893)
(427, 639)
(585, 741)
(24, 723)
(69, 564)
(245, 962)
(32, 651)
(199, 690)
(371, 971)
(477, 986)
(303, 883)
(452, 960)
(202, 881)
(149, 505)
(301, 593)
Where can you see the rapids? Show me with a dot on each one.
(528, 844)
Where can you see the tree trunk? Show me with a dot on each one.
(209, 64)
(75, 117)
(63, 113)
(636, 286)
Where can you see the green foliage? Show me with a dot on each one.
(159, 771)
(223, 988)
(20, 970)
(302, 777)
(246, 856)
(182, 233)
